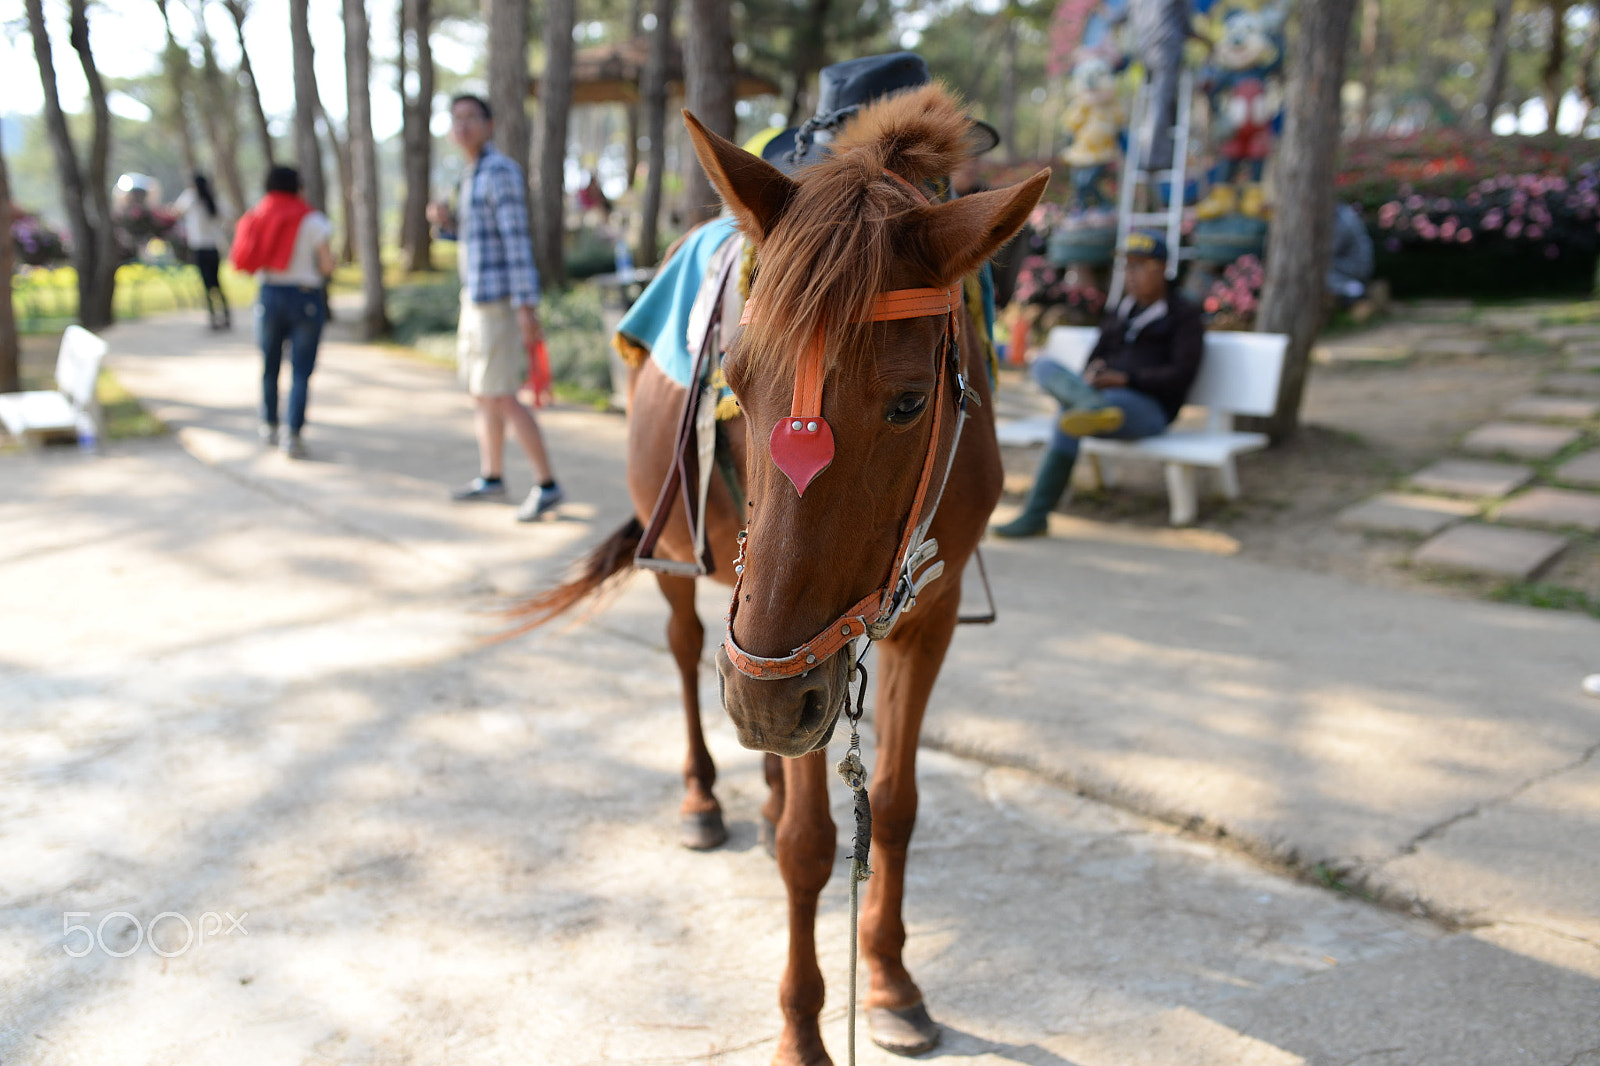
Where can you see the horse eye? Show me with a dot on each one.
(907, 408)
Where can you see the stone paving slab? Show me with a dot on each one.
(1511, 321)
(1452, 346)
(1555, 507)
(1553, 408)
(1514, 553)
(1581, 383)
(1580, 333)
(1360, 353)
(1523, 440)
(1585, 360)
(1581, 470)
(1472, 477)
(1405, 512)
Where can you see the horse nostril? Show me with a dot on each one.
(812, 710)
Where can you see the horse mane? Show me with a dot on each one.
(832, 250)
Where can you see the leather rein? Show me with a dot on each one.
(802, 446)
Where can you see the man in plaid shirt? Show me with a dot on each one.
(499, 306)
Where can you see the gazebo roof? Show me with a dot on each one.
(612, 73)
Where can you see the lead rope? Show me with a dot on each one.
(854, 774)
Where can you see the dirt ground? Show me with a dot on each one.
(1365, 426)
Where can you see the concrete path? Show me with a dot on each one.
(233, 685)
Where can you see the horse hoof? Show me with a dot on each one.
(768, 835)
(907, 1031)
(703, 831)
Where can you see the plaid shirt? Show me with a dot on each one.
(496, 249)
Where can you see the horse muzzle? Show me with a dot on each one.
(790, 716)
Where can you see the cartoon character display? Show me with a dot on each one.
(1246, 105)
(1094, 121)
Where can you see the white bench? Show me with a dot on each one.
(71, 403)
(1238, 376)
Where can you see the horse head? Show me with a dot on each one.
(852, 393)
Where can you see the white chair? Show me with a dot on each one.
(71, 403)
(1238, 375)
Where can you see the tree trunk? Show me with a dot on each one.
(1585, 81)
(364, 164)
(555, 109)
(809, 56)
(1008, 84)
(416, 27)
(218, 113)
(1494, 82)
(238, 9)
(1370, 13)
(176, 62)
(635, 21)
(346, 251)
(1300, 241)
(307, 105)
(10, 355)
(655, 128)
(710, 82)
(85, 241)
(1550, 81)
(508, 77)
(96, 311)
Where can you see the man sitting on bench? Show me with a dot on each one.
(1133, 384)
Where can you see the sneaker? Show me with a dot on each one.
(539, 503)
(1091, 422)
(294, 447)
(268, 432)
(480, 488)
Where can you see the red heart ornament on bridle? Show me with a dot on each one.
(802, 448)
(801, 445)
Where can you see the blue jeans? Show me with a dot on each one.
(289, 313)
(1142, 416)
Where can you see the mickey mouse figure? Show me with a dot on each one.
(1246, 106)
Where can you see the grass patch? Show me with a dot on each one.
(121, 413)
(1548, 596)
(46, 301)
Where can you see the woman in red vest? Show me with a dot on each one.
(284, 241)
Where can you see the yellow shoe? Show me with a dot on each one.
(1221, 200)
(1253, 204)
(1091, 422)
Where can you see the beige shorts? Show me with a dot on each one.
(490, 359)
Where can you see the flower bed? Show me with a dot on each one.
(36, 243)
(1462, 215)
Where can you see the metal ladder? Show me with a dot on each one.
(1134, 175)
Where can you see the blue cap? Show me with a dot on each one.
(1150, 245)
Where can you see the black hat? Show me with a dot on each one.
(845, 88)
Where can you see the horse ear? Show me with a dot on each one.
(958, 236)
(756, 190)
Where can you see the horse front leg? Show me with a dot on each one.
(907, 668)
(806, 842)
(701, 826)
(772, 810)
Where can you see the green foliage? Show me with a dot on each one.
(575, 335)
(1548, 596)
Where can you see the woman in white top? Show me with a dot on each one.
(203, 227)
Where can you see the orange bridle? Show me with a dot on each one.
(802, 447)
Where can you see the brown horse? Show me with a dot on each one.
(856, 306)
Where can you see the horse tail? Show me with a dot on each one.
(607, 565)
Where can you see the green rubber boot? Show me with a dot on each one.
(1054, 473)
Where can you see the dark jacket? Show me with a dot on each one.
(1162, 360)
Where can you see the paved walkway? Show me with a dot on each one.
(1536, 465)
(235, 683)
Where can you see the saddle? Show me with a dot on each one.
(699, 445)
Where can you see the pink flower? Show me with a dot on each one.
(1514, 228)
(1448, 229)
(1492, 218)
(1413, 203)
(1535, 232)
(1463, 235)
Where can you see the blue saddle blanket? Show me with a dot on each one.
(658, 321)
